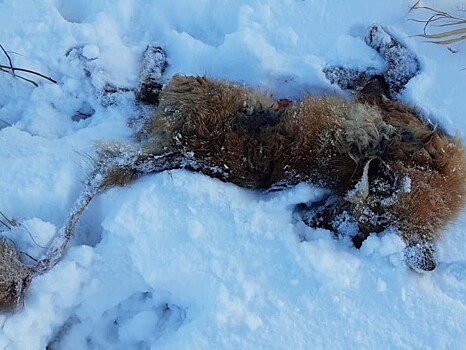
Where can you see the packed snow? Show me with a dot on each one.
(179, 260)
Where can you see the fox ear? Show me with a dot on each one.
(420, 256)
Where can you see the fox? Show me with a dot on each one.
(386, 166)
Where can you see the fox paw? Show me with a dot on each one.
(420, 256)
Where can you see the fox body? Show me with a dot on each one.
(393, 168)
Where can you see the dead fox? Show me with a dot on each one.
(386, 166)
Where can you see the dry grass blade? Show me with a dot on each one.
(441, 19)
(454, 23)
(8, 223)
(20, 77)
(450, 41)
(5, 122)
(9, 59)
(444, 34)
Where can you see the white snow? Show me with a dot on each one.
(182, 261)
(91, 51)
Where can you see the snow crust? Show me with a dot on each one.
(181, 261)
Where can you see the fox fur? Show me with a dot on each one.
(242, 136)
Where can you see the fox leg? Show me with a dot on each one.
(402, 65)
(154, 63)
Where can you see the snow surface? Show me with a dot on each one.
(179, 260)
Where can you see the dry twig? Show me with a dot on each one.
(10, 69)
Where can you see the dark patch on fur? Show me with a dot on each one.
(253, 121)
